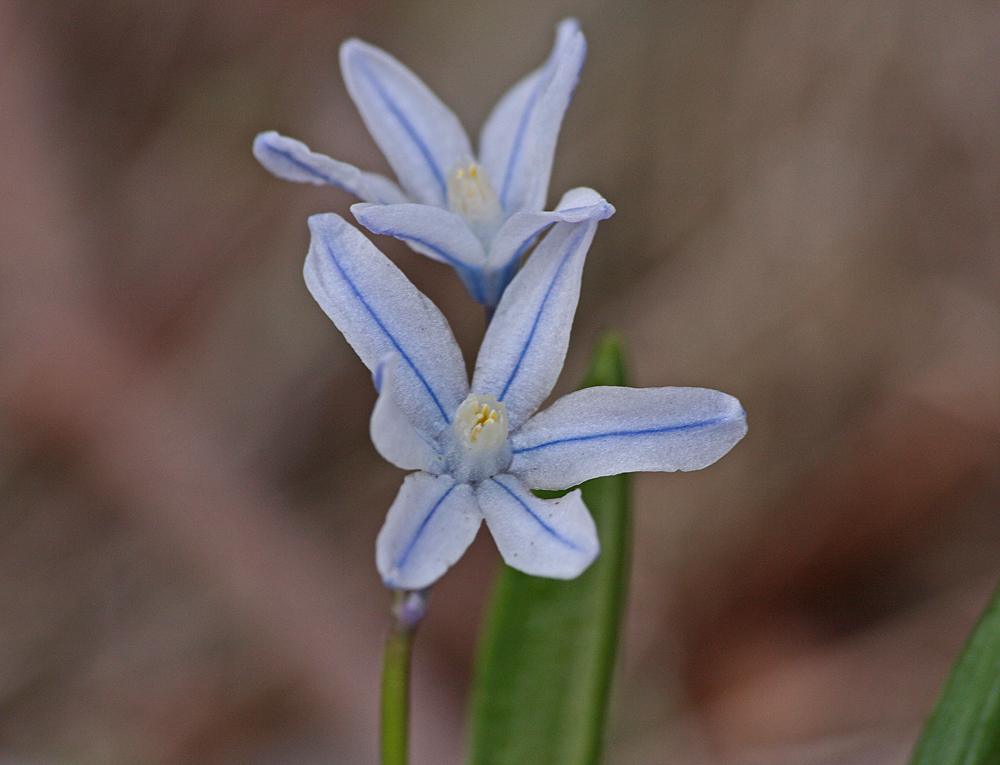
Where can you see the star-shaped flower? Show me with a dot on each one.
(479, 450)
(480, 215)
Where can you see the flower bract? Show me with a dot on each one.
(479, 214)
(479, 449)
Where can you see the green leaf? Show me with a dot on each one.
(547, 651)
(965, 725)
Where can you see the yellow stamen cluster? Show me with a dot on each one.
(484, 415)
(476, 446)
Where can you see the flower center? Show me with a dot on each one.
(477, 445)
(471, 195)
(482, 420)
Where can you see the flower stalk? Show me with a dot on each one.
(408, 611)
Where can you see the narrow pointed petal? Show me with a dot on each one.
(525, 345)
(518, 140)
(555, 538)
(379, 311)
(394, 436)
(431, 231)
(419, 135)
(606, 431)
(518, 232)
(293, 161)
(432, 521)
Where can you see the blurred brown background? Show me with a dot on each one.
(807, 200)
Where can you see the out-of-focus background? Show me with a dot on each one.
(808, 204)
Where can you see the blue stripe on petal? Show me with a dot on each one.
(538, 99)
(498, 280)
(570, 250)
(294, 161)
(381, 325)
(423, 526)
(291, 159)
(548, 529)
(447, 257)
(627, 434)
(529, 240)
(407, 126)
(515, 149)
(474, 283)
(471, 277)
(440, 234)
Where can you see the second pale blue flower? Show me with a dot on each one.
(478, 214)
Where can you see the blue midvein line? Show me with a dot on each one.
(527, 242)
(570, 249)
(624, 434)
(515, 148)
(423, 525)
(555, 534)
(473, 276)
(449, 259)
(287, 155)
(388, 334)
(408, 128)
(474, 281)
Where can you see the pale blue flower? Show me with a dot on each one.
(479, 215)
(480, 449)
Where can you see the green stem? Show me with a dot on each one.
(408, 610)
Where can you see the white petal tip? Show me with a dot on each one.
(269, 141)
(356, 53)
(569, 24)
(324, 224)
(352, 46)
(266, 144)
(358, 210)
(583, 203)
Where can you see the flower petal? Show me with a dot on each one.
(432, 521)
(555, 538)
(518, 140)
(518, 232)
(431, 231)
(419, 135)
(394, 436)
(380, 311)
(606, 431)
(293, 161)
(525, 345)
